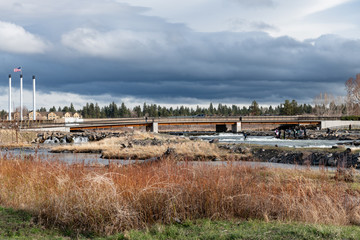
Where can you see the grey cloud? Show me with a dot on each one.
(262, 26)
(255, 3)
(217, 66)
(240, 24)
(117, 51)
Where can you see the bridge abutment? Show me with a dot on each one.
(235, 128)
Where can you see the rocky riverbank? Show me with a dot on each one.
(342, 157)
(339, 158)
(340, 135)
(64, 137)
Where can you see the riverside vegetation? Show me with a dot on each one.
(13, 138)
(90, 200)
(112, 199)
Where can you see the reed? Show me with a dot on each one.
(16, 138)
(110, 199)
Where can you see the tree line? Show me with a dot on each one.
(93, 110)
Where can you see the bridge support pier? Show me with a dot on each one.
(236, 127)
(154, 127)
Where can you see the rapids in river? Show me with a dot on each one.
(271, 141)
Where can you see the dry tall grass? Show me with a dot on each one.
(111, 199)
(184, 150)
(11, 137)
(125, 148)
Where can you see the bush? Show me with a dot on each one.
(350, 118)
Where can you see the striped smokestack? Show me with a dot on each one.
(21, 97)
(34, 100)
(9, 117)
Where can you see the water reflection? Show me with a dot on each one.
(45, 154)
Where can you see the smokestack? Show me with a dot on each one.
(9, 117)
(21, 97)
(34, 107)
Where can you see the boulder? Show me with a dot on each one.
(215, 140)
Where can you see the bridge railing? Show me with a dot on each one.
(287, 118)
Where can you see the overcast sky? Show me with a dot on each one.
(178, 52)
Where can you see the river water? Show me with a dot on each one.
(45, 154)
(271, 141)
(94, 159)
(91, 158)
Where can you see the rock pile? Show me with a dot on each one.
(335, 159)
(61, 137)
(234, 148)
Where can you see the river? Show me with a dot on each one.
(271, 141)
(91, 158)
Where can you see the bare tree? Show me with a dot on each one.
(25, 110)
(353, 95)
(327, 105)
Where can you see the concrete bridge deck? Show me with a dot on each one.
(235, 122)
(152, 124)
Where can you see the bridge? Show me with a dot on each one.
(237, 124)
(221, 123)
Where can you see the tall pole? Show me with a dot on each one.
(9, 118)
(34, 107)
(21, 97)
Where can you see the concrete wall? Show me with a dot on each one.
(73, 120)
(155, 127)
(340, 124)
(53, 129)
(236, 127)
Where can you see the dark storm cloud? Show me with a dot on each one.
(209, 66)
(121, 52)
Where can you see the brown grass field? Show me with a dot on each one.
(12, 138)
(115, 198)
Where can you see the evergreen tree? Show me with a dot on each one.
(65, 109)
(91, 110)
(97, 111)
(124, 111)
(85, 110)
(254, 109)
(3, 114)
(72, 109)
(211, 109)
(137, 110)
